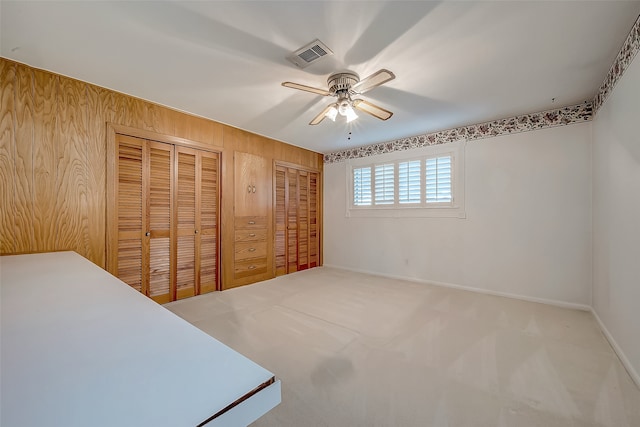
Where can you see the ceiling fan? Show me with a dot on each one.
(344, 85)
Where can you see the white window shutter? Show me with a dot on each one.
(438, 180)
(409, 182)
(384, 184)
(362, 186)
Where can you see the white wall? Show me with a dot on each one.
(616, 217)
(527, 230)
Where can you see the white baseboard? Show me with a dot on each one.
(557, 303)
(623, 358)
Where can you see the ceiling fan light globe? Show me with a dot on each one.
(350, 115)
(332, 113)
(343, 108)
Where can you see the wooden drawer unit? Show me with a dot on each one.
(251, 222)
(250, 267)
(244, 251)
(250, 246)
(251, 235)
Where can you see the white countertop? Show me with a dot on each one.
(79, 347)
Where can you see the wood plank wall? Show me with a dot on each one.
(53, 157)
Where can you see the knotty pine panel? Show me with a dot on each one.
(7, 157)
(44, 161)
(61, 200)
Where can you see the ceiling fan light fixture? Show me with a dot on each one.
(332, 113)
(342, 85)
(350, 114)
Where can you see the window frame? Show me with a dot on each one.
(453, 209)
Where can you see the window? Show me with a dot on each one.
(409, 182)
(438, 184)
(430, 184)
(384, 185)
(362, 186)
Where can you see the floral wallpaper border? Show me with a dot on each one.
(629, 50)
(527, 122)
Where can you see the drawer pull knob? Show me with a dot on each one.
(252, 222)
(252, 249)
(252, 267)
(252, 235)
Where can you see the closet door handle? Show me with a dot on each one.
(253, 189)
(248, 189)
(147, 234)
(196, 231)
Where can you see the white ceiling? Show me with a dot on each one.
(456, 63)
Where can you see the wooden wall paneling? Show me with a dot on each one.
(23, 195)
(99, 106)
(163, 120)
(195, 128)
(7, 157)
(120, 109)
(71, 202)
(45, 215)
(218, 134)
(135, 113)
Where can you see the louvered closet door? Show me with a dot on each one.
(314, 237)
(144, 216)
(303, 220)
(132, 263)
(207, 221)
(292, 220)
(281, 222)
(159, 210)
(186, 223)
(197, 219)
(297, 239)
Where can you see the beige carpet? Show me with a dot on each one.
(356, 350)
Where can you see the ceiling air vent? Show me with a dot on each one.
(310, 53)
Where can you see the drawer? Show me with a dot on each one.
(250, 222)
(251, 235)
(244, 250)
(250, 267)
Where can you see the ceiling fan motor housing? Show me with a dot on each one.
(342, 81)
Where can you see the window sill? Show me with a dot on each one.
(407, 212)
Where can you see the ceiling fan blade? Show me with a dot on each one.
(374, 80)
(372, 109)
(320, 117)
(315, 90)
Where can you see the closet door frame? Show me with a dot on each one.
(289, 165)
(114, 129)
